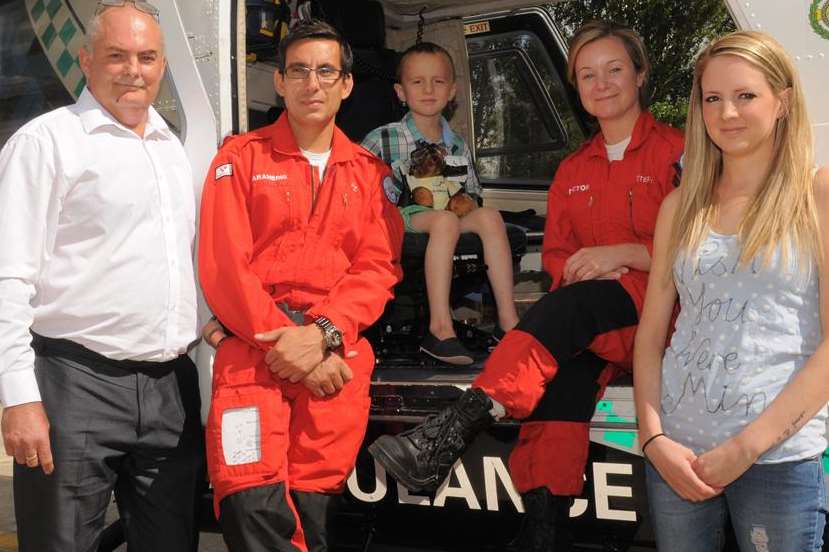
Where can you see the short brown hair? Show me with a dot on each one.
(633, 43)
(424, 48)
(315, 29)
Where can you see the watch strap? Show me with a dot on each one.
(331, 333)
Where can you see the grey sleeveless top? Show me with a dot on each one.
(742, 335)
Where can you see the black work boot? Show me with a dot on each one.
(545, 522)
(420, 458)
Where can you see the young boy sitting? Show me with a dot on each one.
(426, 83)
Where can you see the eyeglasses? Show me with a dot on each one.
(326, 75)
(145, 7)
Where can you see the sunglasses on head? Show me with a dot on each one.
(139, 5)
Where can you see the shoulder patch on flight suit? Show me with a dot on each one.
(224, 170)
(391, 190)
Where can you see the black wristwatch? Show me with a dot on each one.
(331, 334)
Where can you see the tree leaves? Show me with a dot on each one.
(674, 33)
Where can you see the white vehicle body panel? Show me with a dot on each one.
(789, 23)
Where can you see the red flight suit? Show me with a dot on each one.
(272, 234)
(558, 355)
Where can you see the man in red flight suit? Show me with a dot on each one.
(299, 251)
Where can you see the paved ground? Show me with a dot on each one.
(208, 542)
(8, 538)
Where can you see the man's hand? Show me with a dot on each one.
(26, 436)
(330, 376)
(213, 333)
(296, 350)
(589, 263)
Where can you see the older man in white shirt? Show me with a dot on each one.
(98, 305)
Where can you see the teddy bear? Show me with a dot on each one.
(429, 185)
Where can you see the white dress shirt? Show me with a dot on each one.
(96, 241)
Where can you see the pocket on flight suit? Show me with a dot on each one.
(580, 213)
(247, 422)
(327, 432)
(644, 199)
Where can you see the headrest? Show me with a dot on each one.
(360, 21)
(365, 27)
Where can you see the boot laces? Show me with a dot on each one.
(438, 440)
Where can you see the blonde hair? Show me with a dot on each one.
(783, 210)
(633, 43)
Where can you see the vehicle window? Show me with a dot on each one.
(524, 124)
(39, 71)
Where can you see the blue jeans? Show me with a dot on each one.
(773, 508)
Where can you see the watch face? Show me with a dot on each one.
(336, 338)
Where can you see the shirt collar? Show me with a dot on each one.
(283, 141)
(94, 116)
(644, 123)
(449, 138)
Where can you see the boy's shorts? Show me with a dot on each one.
(407, 212)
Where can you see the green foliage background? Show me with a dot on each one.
(674, 33)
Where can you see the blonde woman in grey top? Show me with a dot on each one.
(732, 413)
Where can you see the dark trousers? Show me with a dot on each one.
(262, 519)
(126, 427)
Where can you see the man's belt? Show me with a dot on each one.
(297, 316)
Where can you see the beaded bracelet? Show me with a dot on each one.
(648, 442)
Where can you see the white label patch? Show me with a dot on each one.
(391, 190)
(224, 170)
(241, 435)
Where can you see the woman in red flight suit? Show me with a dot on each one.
(552, 368)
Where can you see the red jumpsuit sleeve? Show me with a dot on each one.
(233, 291)
(359, 297)
(559, 238)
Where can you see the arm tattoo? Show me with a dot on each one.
(792, 429)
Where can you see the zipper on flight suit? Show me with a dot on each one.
(590, 201)
(314, 190)
(317, 186)
(630, 213)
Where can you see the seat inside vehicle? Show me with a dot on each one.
(372, 102)
(397, 334)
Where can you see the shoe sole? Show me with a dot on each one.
(460, 360)
(397, 471)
